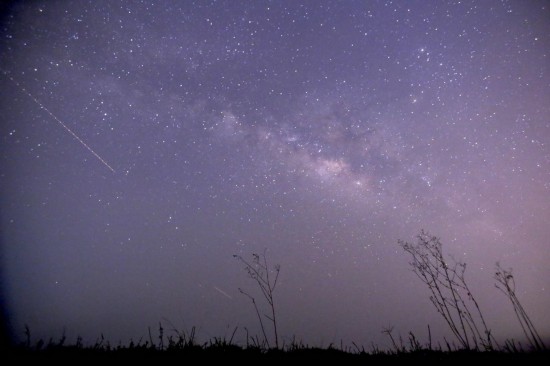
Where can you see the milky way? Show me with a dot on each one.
(321, 131)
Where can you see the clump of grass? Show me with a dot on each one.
(266, 279)
(450, 294)
(183, 345)
(507, 285)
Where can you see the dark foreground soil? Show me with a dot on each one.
(237, 354)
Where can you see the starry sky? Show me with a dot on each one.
(320, 131)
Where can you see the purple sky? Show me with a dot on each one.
(321, 131)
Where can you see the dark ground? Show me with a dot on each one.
(238, 354)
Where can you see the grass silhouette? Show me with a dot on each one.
(450, 295)
(183, 346)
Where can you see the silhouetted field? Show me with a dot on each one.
(473, 340)
(221, 350)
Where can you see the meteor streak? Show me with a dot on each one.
(59, 121)
(223, 293)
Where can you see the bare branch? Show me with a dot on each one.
(507, 285)
(450, 294)
(258, 270)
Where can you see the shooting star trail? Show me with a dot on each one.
(59, 121)
(223, 293)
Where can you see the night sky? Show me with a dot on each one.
(320, 131)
